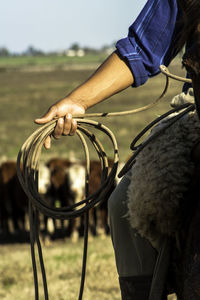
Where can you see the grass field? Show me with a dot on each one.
(63, 267)
(26, 93)
(51, 61)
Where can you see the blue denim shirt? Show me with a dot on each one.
(151, 39)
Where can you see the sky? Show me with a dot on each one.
(51, 25)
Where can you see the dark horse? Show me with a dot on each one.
(187, 261)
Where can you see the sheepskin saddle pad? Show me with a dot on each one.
(160, 178)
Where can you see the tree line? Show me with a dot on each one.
(33, 51)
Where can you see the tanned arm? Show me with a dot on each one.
(110, 78)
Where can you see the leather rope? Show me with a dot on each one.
(29, 156)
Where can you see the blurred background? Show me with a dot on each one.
(47, 48)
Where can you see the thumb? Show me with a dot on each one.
(47, 117)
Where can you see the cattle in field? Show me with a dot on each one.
(101, 210)
(65, 189)
(61, 183)
(59, 193)
(98, 215)
(76, 173)
(58, 163)
(13, 201)
(44, 179)
(67, 186)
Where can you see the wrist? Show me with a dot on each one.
(80, 98)
(73, 102)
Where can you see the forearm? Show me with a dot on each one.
(110, 78)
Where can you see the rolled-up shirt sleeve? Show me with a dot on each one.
(150, 39)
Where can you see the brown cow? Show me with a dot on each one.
(101, 211)
(68, 187)
(98, 215)
(59, 192)
(13, 201)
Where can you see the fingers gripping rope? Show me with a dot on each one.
(29, 156)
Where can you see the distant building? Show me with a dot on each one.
(70, 53)
(73, 53)
(80, 52)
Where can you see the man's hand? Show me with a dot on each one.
(64, 110)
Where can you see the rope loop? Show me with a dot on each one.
(30, 154)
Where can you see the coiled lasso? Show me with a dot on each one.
(29, 157)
